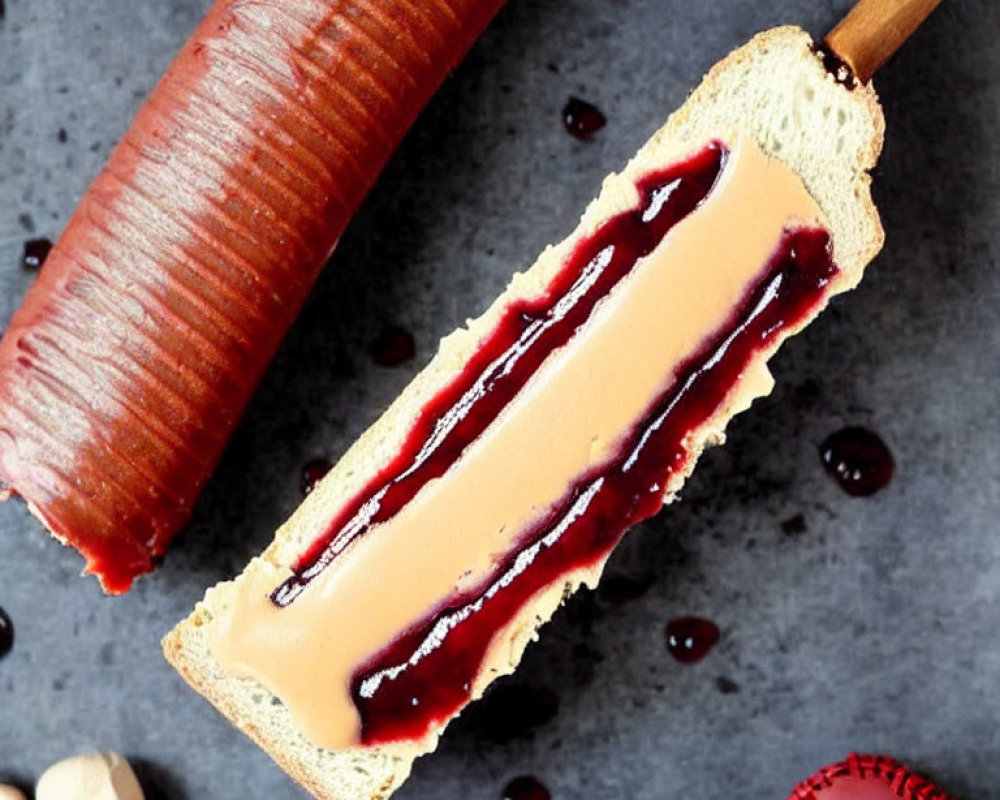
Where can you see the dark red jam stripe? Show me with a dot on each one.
(526, 334)
(424, 677)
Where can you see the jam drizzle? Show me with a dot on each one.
(424, 677)
(429, 673)
(527, 332)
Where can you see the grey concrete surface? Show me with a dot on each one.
(876, 629)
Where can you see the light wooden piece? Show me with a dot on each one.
(874, 30)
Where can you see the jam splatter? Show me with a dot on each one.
(35, 253)
(589, 519)
(689, 639)
(582, 119)
(438, 671)
(513, 711)
(526, 787)
(6, 634)
(858, 460)
(312, 473)
(507, 358)
(393, 346)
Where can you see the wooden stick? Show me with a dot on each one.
(874, 30)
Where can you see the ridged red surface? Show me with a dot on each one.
(134, 355)
(867, 777)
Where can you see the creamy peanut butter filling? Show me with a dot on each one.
(585, 397)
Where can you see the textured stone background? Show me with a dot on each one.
(875, 629)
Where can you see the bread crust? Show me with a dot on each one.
(771, 88)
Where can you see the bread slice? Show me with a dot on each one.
(774, 89)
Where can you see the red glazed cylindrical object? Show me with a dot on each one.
(867, 777)
(134, 355)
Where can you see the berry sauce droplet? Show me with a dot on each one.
(582, 119)
(526, 787)
(312, 473)
(393, 346)
(35, 253)
(6, 634)
(689, 639)
(858, 460)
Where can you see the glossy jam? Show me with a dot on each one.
(35, 253)
(858, 460)
(393, 346)
(313, 472)
(527, 332)
(863, 777)
(582, 119)
(526, 787)
(690, 639)
(432, 674)
(6, 634)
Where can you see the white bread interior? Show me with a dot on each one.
(774, 89)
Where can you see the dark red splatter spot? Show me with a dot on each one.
(689, 639)
(858, 460)
(582, 119)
